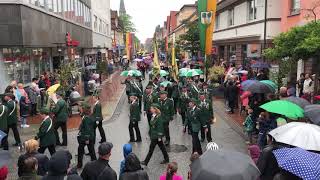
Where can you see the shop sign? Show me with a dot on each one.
(70, 41)
(19, 58)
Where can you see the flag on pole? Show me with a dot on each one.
(174, 62)
(156, 65)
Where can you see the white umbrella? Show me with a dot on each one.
(303, 135)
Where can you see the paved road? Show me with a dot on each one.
(180, 151)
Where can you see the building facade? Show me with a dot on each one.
(33, 36)
(240, 29)
(118, 44)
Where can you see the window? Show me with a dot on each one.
(50, 5)
(33, 2)
(100, 25)
(231, 17)
(252, 10)
(295, 7)
(59, 7)
(107, 29)
(40, 3)
(95, 24)
(217, 23)
(55, 6)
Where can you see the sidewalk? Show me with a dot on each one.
(111, 91)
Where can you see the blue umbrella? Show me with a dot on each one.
(299, 162)
(260, 65)
(247, 83)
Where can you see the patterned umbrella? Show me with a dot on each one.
(313, 113)
(298, 101)
(258, 87)
(299, 162)
(270, 83)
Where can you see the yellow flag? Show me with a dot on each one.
(174, 64)
(156, 65)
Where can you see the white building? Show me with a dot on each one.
(240, 28)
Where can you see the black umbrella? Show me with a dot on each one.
(224, 165)
(258, 87)
(313, 113)
(298, 101)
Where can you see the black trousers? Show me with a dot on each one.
(183, 116)
(15, 131)
(33, 109)
(63, 126)
(175, 103)
(208, 134)
(196, 146)
(153, 144)
(135, 126)
(140, 102)
(51, 148)
(4, 141)
(149, 116)
(101, 131)
(166, 131)
(90, 147)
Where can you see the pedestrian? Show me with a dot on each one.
(300, 84)
(22, 92)
(171, 173)
(60, 111)
(97, 115)
(207, 91)
(232, 95)
(193, 118)
(136, 88)
(206, 115)
(134, 118)
(167, 110)
(46, 133)
(4, 126)
(264, 127)
(24, 112)
(12, 117)
(308, 87)
(127, 149)
(33, 93)
(31, 147)
(194, 90)
(156, 132)
(193, 158)
(60, 167)
(249, 125)
(183, 104)
(100, 169)
(86, 134)
(133, 169)
(175, 95)
(147, 101)
(30, 169)
(128, 83)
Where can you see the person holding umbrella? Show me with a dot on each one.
(134, 117)
(196, 122)
(156, 132)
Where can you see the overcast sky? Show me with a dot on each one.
(147, 14)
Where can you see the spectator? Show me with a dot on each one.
(264, 127)
(249, 125)
(283, 93)
(100, 169)
(42, 87)
(4, 172)
(127, 149)
(171, 173)
(31, 147)
(33, 93)
(231, 95)
(300, 84)
(308, 87)
(30, 169)
(24, 111)
(59, 167)
(133, 169)
(22, 92)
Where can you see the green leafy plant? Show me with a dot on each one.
(216, 73)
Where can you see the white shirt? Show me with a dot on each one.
(306, 86)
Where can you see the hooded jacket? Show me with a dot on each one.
(127, 149)
(133, 169)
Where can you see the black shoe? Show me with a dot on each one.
(87, 154)
(16, 144)
(144, 163)
(167, 143)
(58, 144)
(164, 162)
(138, 140)
(131, 140)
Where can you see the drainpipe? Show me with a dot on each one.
(265, 25)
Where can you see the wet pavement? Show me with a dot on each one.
(224, 132)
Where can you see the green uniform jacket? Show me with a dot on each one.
(3, 117)
(184, 101)
(135, 115)
(208, 93)
(167, 109)
(86, 129)
(97, 113)
(60, 111)
(147, 101)
(193, 118)
(136, 88)
(194, 90)
(206, 111)
(12, 112)
(156, 127)
(46, 133)
(175, 91)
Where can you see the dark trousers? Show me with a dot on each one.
(51, 148)
(90, 147)
(63, 126)
(4, 141)
(135, 126)
(232, 105)
(208, 134)
(183, 116)
(175, 103)
(140, 102)
(196, 146)
(149, 116)
(101, 131)
(153, 144)
(15, 131)
(166, 131)
(33, 109)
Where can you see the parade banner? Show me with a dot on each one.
(156, 65)
(173, 61)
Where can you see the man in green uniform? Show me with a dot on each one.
(4, 126)
(136, 88)
(86, 134)
(12, 117)
(193, 118)
(206, 115)
(148, 99)
(157, 93)
(183, 103)
(194, 89)
(207, 91)
(46, 133)
(175, 95)
(167, 111)
(98, 118)
(61, 116)
(135, 117)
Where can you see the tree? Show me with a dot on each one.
(126, 24)
(190, 41)
(312, 11)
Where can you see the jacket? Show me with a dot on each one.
(167, 109)
(24, 107)
(60, 111)
(86, 129)
(30, 176)
(206, 110)
(156, 127)
(135, 112)
(46, 133)
(249, 124)
(98, 170)
(97, 112)
(42, 163)
(267, 163)
(133, 169)
(127, 149)
(3, 117)
(12, 112)
(193, 118)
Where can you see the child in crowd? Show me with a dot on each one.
(24, 110)
(249, 125)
